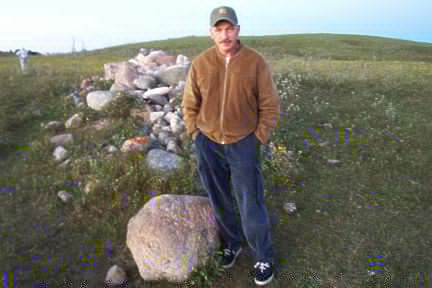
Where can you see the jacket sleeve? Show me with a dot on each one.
(191, 101)
(268, 103)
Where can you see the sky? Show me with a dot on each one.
(53, 26)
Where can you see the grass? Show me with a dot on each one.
(374, 90)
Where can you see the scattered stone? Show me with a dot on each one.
(334, 162)
(154, 116)
(163, 161)
(115, 276)
(74, 122)
(145, 82)
(62, 139)
(102, 124)
(111, 70)
(65, 163)
(92, 185)
(97, 100)
(60, 153)
(157, 91)
(140, 114)
(290, 208)
(111, 149)
(159, 100)
(172, 147)
(171, 235)
(64, 196)
(56, 126)
(136, 144)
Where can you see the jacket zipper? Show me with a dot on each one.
(223, 97)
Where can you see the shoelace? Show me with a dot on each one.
(262, 266)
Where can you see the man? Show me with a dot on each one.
(230, 106)
(23, 57)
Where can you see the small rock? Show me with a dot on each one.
(65, 163)
(172, 147)
(159, 100)
(145, 82)
(54, 126)
(290, 208)
(163, 161)
(102, 124)
(136, 144)
(60, 153)
(334, 161)
(74, 121)
(154, 116)
(91, 186)
(116, 276)
(140, 114)
(157, 91)
(62, 139)
(64, 196)
(97, 100)
(111, 149)
(167, 108)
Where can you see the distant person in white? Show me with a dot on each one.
(23, 57)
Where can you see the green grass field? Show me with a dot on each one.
(374, 206)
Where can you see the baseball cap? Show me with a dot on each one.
(223, 13)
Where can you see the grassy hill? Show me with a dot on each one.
(367, 98)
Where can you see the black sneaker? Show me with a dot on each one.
(229, 257)
(263, 273)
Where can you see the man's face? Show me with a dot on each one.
(225, 36)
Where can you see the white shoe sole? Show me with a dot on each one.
(261, 283)
(234, 260)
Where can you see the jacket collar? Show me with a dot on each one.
(239, 51)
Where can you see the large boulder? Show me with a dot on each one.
(126, 75)
(173, 74)
(171, 235)
(97, 100)
(111, 69)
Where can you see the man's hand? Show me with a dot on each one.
(194, 135)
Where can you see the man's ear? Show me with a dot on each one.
(210, 33)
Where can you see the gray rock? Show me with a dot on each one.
(157, 91)
(157, 108)
(110, 70)
(60, 153)
(145, 82)
(111, 149)
(182, 60)
(126, 75)
(65, 163)
(62, 139)
(115, 276)
(154, 116)
(171, 235)
(64, 196)
(159, 100)
(167, 108)
(74, 122)
(290, 208)
(177, 125)
(163, 161)
(97, 100)
(163, 137)
(54, 126)
(173, 74)
(172, 147)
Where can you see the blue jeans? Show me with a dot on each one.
(239, 162)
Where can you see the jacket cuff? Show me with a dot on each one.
(262, 136)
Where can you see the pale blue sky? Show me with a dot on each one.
(50, 25)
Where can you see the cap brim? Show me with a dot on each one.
(225, 19)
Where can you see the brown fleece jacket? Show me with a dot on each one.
(228, 100)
